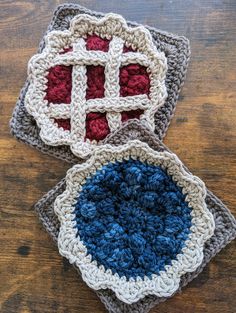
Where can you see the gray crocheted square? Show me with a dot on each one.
(177, 52)
(225, 224)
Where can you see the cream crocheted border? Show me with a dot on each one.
(166, 282)
(114, 28)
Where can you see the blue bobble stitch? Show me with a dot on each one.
(88, 210)
(92, 229)
(137, 243)
(154, 225)
(148, 199)
(121, 258)
(124, 191)
(133, 175)
(115, 231)
(156, 181)
(164, 245)
(97, 193)
(173, 224)
(147, 260)
(107, 206)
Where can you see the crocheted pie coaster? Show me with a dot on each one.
(140, 174)
(92, 74)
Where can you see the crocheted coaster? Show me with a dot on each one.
(133, 220)
(91, 78)
(88, 80)
(225, 225)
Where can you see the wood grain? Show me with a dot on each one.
(33, 277)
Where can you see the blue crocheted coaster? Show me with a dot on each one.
(225, 225)
(133, 220)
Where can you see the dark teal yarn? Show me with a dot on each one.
(132, 218)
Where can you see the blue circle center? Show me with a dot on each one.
(132, 218)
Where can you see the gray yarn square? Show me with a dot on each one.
(176, 49)
(225, 223)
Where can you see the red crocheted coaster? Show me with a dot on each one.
(133, 85)
(91, 78)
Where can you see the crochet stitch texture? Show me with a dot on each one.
(176, 50)
(166, 278)
(225, 224)
(90, 78)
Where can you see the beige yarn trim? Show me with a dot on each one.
(112, 27)
(131, 290)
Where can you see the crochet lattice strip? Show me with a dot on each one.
(56, 54)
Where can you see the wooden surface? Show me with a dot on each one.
(33, 277)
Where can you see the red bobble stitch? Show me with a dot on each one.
(59, 84)
(134, 80)
(96, 126)
(95, 42)
(95, 82)
(95, 74)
